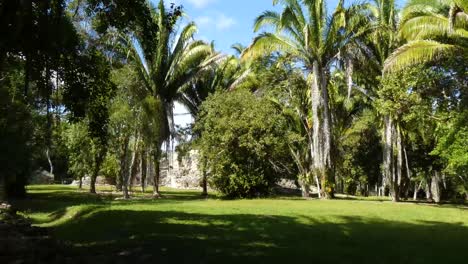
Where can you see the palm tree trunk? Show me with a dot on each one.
(428, 191)
(327, 143)
(319, 189)
(393, 158)
(321, 133)
(416, 190)
(316, 151)
(398, 168)
(435, 187)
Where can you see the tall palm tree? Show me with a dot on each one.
(382, 40)
(432, 29)
(165, 64)
(305, 32)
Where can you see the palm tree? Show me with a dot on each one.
(306, 33)
(165, 64)
(433, 29)
(381, 40)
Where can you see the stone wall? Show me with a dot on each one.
(181, 175)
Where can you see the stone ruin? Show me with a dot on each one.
(181, 175)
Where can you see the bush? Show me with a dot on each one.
(242, 139)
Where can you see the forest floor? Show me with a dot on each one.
(183, 227)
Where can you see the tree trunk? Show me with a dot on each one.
(319, 190)
(48, 139)
(125, 168)
(51, 166)
(133, 168)
(204, 180)
(204, 184)
(80, 186)
(387, 153)
(321, 133)
(392, 158)
(398, 168)
(435, 187)
(143, 169)
(416, 190)
(329, 176)
(157, 172)
(98, 159)
(428, 192)
(92, 187)
(305, 188)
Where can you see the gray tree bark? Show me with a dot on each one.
(428, 191)
(321, 132)
(305, 188)
(416, 190)
(51, 166)
(387, 153)
(435, 187)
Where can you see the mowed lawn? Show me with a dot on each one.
(184, 228)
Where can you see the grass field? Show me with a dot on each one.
(183, 227)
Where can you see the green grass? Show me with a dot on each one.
(183, 227)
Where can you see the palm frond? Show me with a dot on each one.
(267, 43)
(418, 51)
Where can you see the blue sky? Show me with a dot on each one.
(227, 22)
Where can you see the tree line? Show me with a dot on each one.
(362, 99)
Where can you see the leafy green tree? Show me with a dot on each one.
(242, 137)
(225, 74)
(80, 150)
(124, 124)
(452, 147)
(16, 137)
(275, 78)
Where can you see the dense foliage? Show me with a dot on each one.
(243, 140)
(359, 98)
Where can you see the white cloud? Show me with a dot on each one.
(203, 21)
(219, 21)
(224, 22)
(201, 3)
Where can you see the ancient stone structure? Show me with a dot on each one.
(181, 173)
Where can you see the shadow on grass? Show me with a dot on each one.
(99, 233)
(176, 237)
(54, 200)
